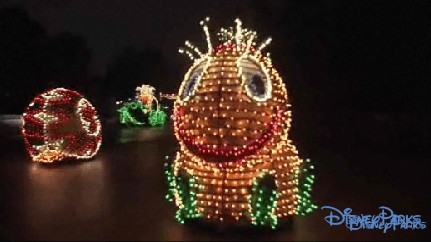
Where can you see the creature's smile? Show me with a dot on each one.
(221, 153)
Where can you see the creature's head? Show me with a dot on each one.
(232, 103)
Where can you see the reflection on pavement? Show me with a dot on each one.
(120, 195)
(78, 191)
(140, 134)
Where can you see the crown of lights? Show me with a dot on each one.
(244, 41)
(231, 118)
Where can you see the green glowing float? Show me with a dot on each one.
(140, 112)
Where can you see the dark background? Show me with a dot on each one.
(363, 55)
(357, 74)
(362, 62)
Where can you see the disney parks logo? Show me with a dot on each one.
(385, 220)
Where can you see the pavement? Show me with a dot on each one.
(119, 195)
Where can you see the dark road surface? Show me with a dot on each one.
(119, 195)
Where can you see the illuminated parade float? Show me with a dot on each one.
(140, 112)
(61, 124)
(236, 163)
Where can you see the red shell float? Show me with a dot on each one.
(61, 124)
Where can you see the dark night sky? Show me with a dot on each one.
(356, 54)
(109, 26)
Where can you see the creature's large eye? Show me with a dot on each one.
(255, 81)
(257, 86)
(190, 85)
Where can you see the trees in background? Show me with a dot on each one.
(32, 61)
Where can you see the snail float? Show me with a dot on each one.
(236, 163)
(61, 124)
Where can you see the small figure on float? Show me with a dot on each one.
(145, 94)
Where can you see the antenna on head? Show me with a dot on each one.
(189, 48)
(204, 24)
(187, 52)
(238, 34)
(250, 38)
(262, 46)
(194, 48)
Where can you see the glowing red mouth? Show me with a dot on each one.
(226, 153)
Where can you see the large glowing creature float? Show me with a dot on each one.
(61, 124)
(236, 162)
(140, 112)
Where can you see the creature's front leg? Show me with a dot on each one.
(182, 190)
(263, 201)
(305, 184)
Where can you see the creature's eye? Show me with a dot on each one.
(190, 85)
(257, 86)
